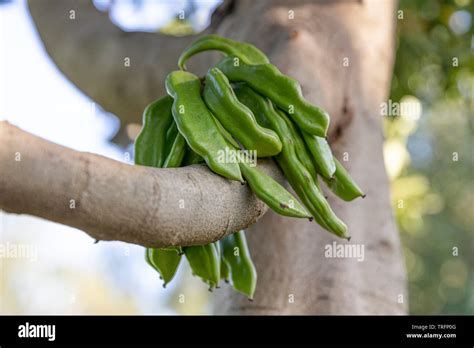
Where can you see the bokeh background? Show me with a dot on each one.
(429, 156)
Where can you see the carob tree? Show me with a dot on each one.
(342, 54)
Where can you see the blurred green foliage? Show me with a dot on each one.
(429, 155)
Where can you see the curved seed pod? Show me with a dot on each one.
(306, 192)
(242, 269)
(236, 118)
(191, 157)
(295, 172)
(299, 145)
(227, 136)
(176, 154)
(150, 143)
(263, 106)
(225, 267)
(165, 261)
(322, 155)
(247, 52)
(301, 151)
(205, 262)
(171, 134)
(300, 179)
(343, 185)
(282, 90)
(196, 125)
(272, 193)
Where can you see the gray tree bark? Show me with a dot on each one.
(342, 53)
(111, 200)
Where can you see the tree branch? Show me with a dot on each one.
(111, 200)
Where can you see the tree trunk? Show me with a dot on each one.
(342, 53)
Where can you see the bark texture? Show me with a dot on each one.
(342, 53)
(111, 200)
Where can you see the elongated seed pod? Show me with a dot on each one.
(150, 143)
(242, 269)
(227, 136)
(176, 154)
(170, 137)
(301, 149)
(196, 124)
(165, 261)
(295, 172)
(307, 190)
(299, 145)
(321, 155)
(272, 193)
(191, 157)
(340, 181)
(300, 179)
(236, 118)
(263, 106)
(343, 185)
(282, 90)
(247, 52)
(225, 267)
(205, 262)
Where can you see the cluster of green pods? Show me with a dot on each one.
(228, 259)
(244, 103)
